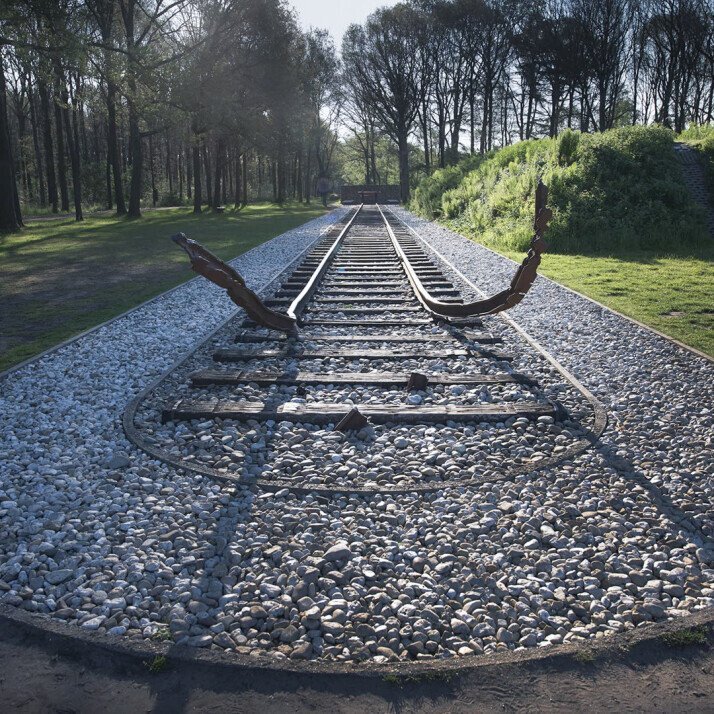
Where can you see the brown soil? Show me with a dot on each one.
(43, 673)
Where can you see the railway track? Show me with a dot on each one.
(364, 386)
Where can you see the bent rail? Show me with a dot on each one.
(506, 299)
(214, 269)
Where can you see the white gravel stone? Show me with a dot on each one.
(94, 531)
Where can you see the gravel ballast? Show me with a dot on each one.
(95, 532)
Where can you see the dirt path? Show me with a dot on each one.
(42, 673)
(696, 181)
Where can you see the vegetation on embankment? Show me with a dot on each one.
(60, 277)
(625, 230)
(619, 190)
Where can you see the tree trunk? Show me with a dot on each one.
(602, 109)
(154, 192)
(73, 148)
(238, 181)
(80, 130)
(137, 163)
(425, 131)
(298, 177)
(483, 146)
(135, 149)
(179, 169)
(442, 138)
(169, 168)
(36, 146)
(10, 216)
(196, 153)
(229, 185)
(189, 175)
(71, 136)
(244, 179)
(61, 160)
(555, 110)
(207, 169)
(217, 175)
(403, 145)
(373, 158)
(455, 135)
(49, 150)
(112, 149)
(280, 177)
(108, 178)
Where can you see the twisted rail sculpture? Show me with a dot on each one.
(212, 267)
(220, 273)
(506, 299)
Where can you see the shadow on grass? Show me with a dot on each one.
(94, 270)
(705, 253)
(94, 233)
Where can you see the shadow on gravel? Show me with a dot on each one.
(660, 497)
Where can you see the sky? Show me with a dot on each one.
(335, 15)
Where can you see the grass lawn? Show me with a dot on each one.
(672, 293)
(58, 277)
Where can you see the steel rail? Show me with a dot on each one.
(506, 299)
(299, 303)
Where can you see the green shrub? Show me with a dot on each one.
(427, 195)
(172, 199)
(568, 143)
(619, 190)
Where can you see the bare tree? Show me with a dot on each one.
(384, 58)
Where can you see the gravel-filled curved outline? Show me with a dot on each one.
(594, 434)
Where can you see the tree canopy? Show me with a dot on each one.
(118, 104)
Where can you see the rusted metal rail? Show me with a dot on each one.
(506, 299)
(217, 271)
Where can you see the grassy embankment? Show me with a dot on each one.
(58, 277)
(625, 230)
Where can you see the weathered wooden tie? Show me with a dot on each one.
(327, 413)
(295, 352)
(483, 337)
(377, 379)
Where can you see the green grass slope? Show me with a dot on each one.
(625, 230)
(620, 190)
